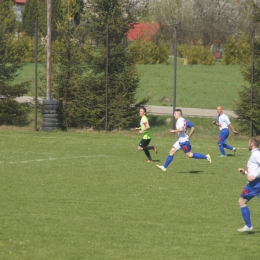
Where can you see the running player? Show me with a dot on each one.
(183, 141)
(144, 129)
(224, 123)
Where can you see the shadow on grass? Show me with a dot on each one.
(196, 172)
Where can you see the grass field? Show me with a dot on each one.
(198, 86)
(85, 195)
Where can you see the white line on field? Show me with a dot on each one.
(53, 159)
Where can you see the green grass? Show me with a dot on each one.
(198, 86)
(84, 195)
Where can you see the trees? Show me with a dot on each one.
(11, 112)
(248, 106)
(36, 11)
(7, 16)
(80, 78)
(197, 20)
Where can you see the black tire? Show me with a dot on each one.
(50, 111)
(50, 120)
(50, 115)
(49, 128)
(50, 124)
(51, 107)
(50, 102)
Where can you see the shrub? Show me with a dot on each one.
(147, 52)
(237, 50)
(196, 54)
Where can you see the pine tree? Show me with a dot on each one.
(243, 105)
(36, 11)
(31, 15)
(79, 79)
(7, 16)
(11, 112)
(123, 79)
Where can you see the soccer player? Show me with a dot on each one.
(252, 187)
(224, 123)
(144, 129)
(183, 141)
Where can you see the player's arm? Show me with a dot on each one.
(147, 126)
(249, 178)
(191, 131)
(177, 130)
(191, 127)
(215, 123)
(233, 129)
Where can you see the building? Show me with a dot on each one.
(18, 8)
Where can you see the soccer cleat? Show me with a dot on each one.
(234, 150)
(149, 161)
(161, 167)
(209, 158)
(245, 229)
(155, 149)
(222, 155)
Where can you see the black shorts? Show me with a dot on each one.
(144, 142)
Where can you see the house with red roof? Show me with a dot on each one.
(18, 8)
(142, 31)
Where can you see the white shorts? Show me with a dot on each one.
(177, 146)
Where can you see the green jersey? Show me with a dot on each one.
(146, 134)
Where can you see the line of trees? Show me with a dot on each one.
(79, 71)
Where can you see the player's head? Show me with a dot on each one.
(219, 110)
(142, 111)
(253, 143)
(177, 113)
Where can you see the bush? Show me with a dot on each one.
(237, 50)
(196, 54)
(23, 49)
(147, 52)
(13, 113)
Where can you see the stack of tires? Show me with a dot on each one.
(50, 115)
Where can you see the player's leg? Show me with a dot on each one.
(186, 147)
(151, 148)
(250, 191)
(227, 146)
(170, 157)
(142, 147)
(245, 214)
(221, 141)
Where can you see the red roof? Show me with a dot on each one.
(144, 31)
(20, 1)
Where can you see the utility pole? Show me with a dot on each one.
(175, 70)
(49, 11)
(252, 79)
(107, 52)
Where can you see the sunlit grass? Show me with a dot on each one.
(86, 195)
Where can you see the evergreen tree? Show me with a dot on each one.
(79, 78)
(11, 112)
(31, 15)
(123, 79)
(243, 105)
(7, 16)
(36, 10)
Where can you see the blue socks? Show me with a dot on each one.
(221, 148)
(246, 216)
(168, 161)
(199, 156)
(229, 147)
